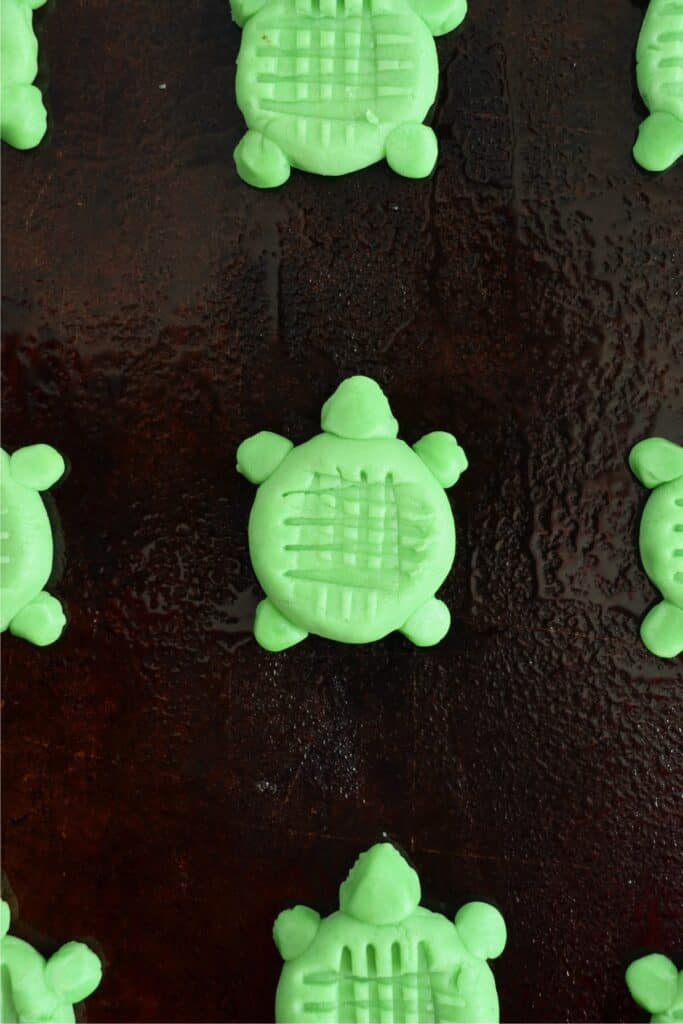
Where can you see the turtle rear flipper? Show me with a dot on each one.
(41, 621)
(662, 630)
(660, 142)
(273, 631)
(429, 624)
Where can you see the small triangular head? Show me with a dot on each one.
(653, 982)
(358, 410)
(381, 888)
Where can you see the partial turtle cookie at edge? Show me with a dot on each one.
(332, 86)
(35, 989)
(26, 545)
(383, 957)
(656, 984)
(24, 119)
(659, 57)
(351, 534)
(658, 464)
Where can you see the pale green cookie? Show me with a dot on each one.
(660, 79)
(658, 464)
(657, 986)
(33, 989)
(331, 86)
(351, 534)
(382, 958)
(23, 115)
(26, 544)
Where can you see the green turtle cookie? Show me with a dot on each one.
(26, 547)
(384, 959)
(351, 534)
(34, 989)
(331, 86)
(658, 464)
(23, 117)
(657, 985)
(660, 80)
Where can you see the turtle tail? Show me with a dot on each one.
(660, 141)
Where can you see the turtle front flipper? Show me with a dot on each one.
(273, 631)
(73, 972)
(260, 161)
(662, 630)
(41, 621)
(37, 465)
(442, 454)
(440, 16)
(660, 142)
(656, 461)
(429, 624)
(261, 454)
(411, 150)
(24, 118)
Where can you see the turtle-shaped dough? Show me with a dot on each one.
(657, 985)
(23, 115)
(331, 86)
(34, 989)
(658, 464)
(660, 80)
(351, 533)
(382, 958)
(26, 547)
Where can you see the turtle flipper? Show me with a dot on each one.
(440, 16)
(652, 981)
(261, 454)
(656, 461)
(24, 118)
(41, 621)
(294, 931)
(428, 624)
(412, 149)
(37, 465)
(442, 454)
(260, 161)
(660, 141)
(73, 972)
(482, 929)
(662, 630)
(273, 631)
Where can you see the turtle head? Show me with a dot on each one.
(381, 888)
(358, 410)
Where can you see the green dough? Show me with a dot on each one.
(35, 989)
(660, 79)
(384, 959)
(657, 986)
(351, 533)
(331, 86)
(23, 115)
(26, 544)
(658, 464)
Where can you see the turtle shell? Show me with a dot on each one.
(414, 972)
(26, 546)
(661, 540)
(327, 80)
(660, 58)
(349, 538)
